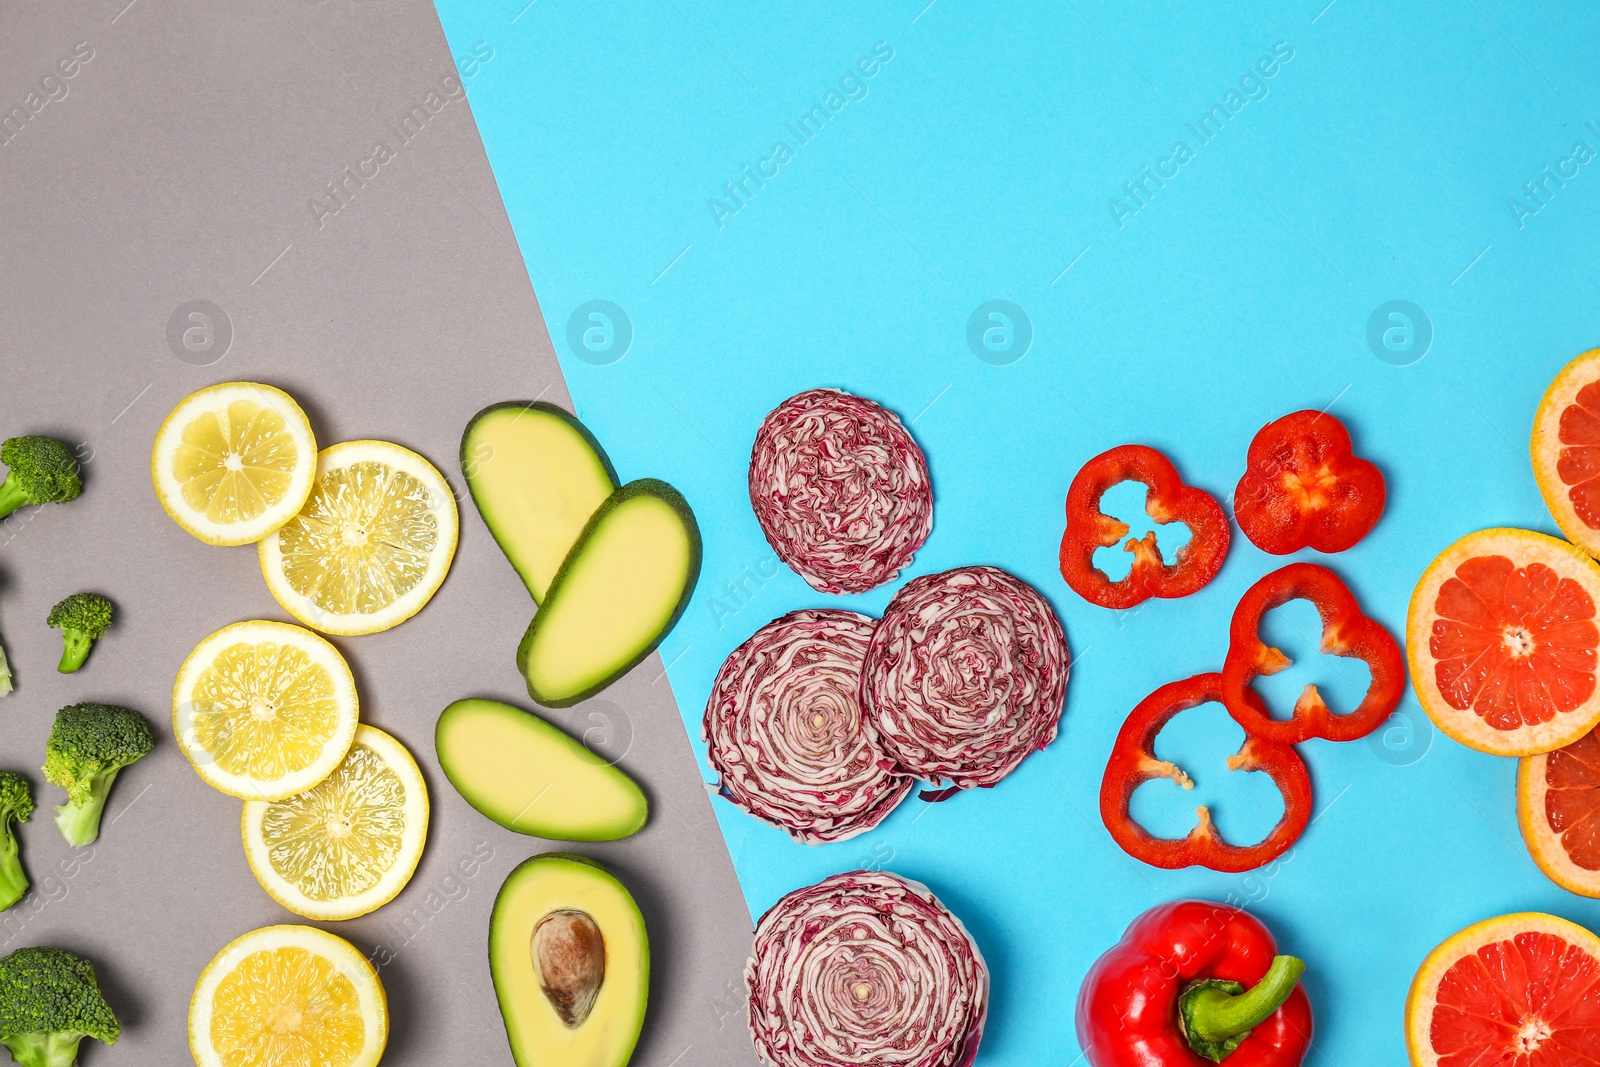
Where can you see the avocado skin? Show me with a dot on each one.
(542, 407)
(639, 487)
(499, 928)
(458, 775)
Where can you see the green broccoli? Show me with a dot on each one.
(49, 1002)
(5, 673)
(43, 471)
(88, 745)
(16, 804)
(83, 619)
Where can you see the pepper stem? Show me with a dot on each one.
(1218, 1015)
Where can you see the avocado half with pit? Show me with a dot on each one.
(537, 475)
(571, 963)
(531, 777)
(621, 588)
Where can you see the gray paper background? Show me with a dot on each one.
(176, 165)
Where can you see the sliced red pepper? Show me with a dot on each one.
(1190, 984)
(1133, 762)
(1302, 486)
(1168, 500)
(1345, 632)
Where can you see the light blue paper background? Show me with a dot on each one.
(978, 166)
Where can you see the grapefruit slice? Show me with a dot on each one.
(1516, 991)
(1502, 637)
(1558, 807)
(1566, 450)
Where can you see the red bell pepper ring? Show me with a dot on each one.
(1190, 984)
(1168, 500)
(1345, 632)
(1133, 762)
(1303, 486)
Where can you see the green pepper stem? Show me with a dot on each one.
(1212, 1014)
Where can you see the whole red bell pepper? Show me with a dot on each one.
(1191, 984)
(1345, 632)
(1167, 500)
(1303, 486)
(1133, 762)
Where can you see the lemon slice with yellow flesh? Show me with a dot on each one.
(234, 462)
(264, 710)
(350, 843)
(288, 996)
(372, 544)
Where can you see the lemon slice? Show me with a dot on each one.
(372, 544)
(288, 996)
(234, 462)
(264, 710)
(350, 843)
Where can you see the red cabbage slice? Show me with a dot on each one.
(840, 489)
(785, 732)
(965, 676)
(865, 968)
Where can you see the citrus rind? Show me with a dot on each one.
(333, 957)
(291, 496)
(189, 723)
(407, 851)
(420, 539)
(1544, 843)
(1424, 993)
(1545, 446)
(1522, 547)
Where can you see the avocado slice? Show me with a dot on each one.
(571, 963)
(620, 590)
(529, 776)
(537, 474)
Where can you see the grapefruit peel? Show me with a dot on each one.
(1539, 694)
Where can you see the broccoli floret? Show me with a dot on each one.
(5, 673)
(43, 471)
(16, 804)
(88, 745)
(49, 1002)
(82, 619)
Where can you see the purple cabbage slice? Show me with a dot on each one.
(865, 968)
(965, 676)
(840, 489)
(785, 733)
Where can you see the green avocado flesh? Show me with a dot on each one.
(537, 476)
(571, 964)
(619, 592)
(530, 777)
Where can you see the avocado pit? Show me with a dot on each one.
(569, 956)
